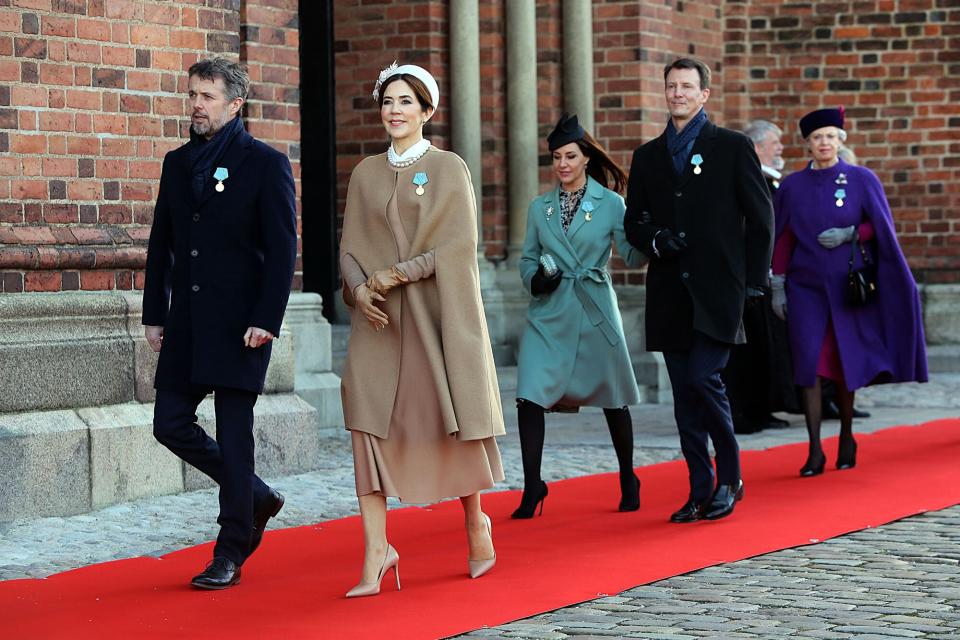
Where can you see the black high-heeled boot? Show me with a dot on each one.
(813, 466)
(530, 426)
(629, 493)
(847, 457)
(621, 434)
(529, 502)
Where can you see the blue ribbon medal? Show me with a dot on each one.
(220, 175)
(696, 161)
(840, 194)
(420, 179)
(588, 208)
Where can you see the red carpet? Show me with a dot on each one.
(579, 549)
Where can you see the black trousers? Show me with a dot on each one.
(702, 410)
(759, 374)
(228, 460)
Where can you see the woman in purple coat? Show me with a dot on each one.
(820, 212)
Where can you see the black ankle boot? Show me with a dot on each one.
(528, 503)
(847, 456)
(629, 492)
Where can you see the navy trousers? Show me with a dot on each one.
(228, 460)
(702, 410)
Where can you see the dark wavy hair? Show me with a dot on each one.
(602, 167)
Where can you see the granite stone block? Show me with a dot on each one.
(44, 465)
(126, 461)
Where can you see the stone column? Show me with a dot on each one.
(465, 94)
(522, 136)
(578, 60)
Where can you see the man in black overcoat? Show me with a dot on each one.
(697, 205)
(759, 375)
(220, 263)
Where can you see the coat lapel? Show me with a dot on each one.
(592, 196)
(233, 157)
(702, 145)
(551, 203)
(665, 166)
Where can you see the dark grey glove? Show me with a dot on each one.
(667, 245)
(540, 283)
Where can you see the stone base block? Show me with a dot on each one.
(322, 392)
(652, 378)
(63, 350)
(44, 465)
(286, 433)
(943, 358)
(59, 463)
(126, 461)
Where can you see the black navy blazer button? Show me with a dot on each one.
(683, 234)
(194, 253)
(678, 193)
(196, 217)
(685, 274)
(195, 288)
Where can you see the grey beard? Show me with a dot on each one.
(779, 163)
(209, 128)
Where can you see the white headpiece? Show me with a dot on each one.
(417, 72)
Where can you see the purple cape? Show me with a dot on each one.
(880, 342)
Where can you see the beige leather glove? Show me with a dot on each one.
(384, 280)
(365, 302)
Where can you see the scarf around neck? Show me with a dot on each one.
(680, 145)
(203, 154)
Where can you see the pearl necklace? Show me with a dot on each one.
(395, 159)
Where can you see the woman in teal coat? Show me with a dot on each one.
(573, 352)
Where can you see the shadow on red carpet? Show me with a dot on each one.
(580, 549)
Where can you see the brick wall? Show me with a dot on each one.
(368, 36)
(895, 66)
(91, 98)
(632, 40)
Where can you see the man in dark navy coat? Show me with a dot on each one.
(697, 205)
(219, 269)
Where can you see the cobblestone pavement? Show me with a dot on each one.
(898, 580)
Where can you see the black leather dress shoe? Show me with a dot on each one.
(773, 422)
(261, 514)
(742, 426)
(219, 574)
(690, 512)
(724, 500)
(832, 412)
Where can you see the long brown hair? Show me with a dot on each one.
(602, 167)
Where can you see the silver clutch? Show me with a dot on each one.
(549, 265)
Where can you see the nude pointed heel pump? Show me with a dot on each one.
(480, 567)
(390, 561)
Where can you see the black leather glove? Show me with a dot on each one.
(668, 245)
(755, 296)
(540, 283)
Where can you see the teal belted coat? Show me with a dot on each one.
(573, 352)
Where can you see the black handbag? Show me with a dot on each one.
(862, 282)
